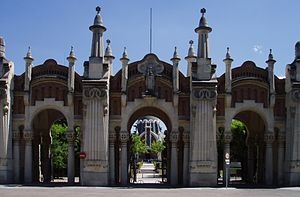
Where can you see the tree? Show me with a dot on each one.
(138, 145)
(157, 146)
(59, 146)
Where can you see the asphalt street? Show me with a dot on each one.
(22, 191)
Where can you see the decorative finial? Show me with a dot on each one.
(191, 52)
(228, 54)
(203, 11)
(108, 51)
(71, 57)
(29, 55)
(125, 56)
(175, 55)
(270, 55)
(98, 9)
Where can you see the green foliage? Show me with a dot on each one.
(138, 145)
(157, 146)
(238, 143)
(59, 146)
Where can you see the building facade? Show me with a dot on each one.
(197, 109)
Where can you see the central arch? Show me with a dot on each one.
(161, 165)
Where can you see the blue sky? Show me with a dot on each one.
(249, 28)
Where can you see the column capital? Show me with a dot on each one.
(124, 136)
(70, 136)
(16, 136)
(281, 137)
(227, 137)
(186, 137)
(28, 136)
(174, 136)
(269, 137)
(112, 137)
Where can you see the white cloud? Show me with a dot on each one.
(257, 49)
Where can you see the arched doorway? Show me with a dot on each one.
(247, 149)
(52, 151)
(151, 127)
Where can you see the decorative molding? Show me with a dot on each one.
(3, 161)
(3, 93)
(70, 136)
(5, 108)
(269, 137)
(95, 165)
(227, 137)
(202, 166)
(281, 137)
(90, 93)
(124, 136)
(205, 94)
(112, 137)
(186, 137)
(174, 136)
(16, 136)
(28, 136)
(296, 95)
(294, 166)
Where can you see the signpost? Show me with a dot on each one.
(227, 164)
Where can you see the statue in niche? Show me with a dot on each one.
(150, 68)
(150, 80)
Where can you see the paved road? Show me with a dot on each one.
(20, 191)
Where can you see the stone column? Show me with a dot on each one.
(71, 156)
(174, 135)
(112, 141)
(16, 140)
(227, 140)
(281, 141)
(124, 137)
(250, 159)
(46, 158)
(186, 141)
(269, 139)
(28, 136)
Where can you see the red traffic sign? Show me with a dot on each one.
(82, 155)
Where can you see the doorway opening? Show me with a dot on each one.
(148, 152)
(50, 148)
(247, 150)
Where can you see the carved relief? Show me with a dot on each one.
(70, 136)
(186, 137)
(16, 136)
(3, 93)
(96, 166)
(205, 94)
(28, 136)
(150, 68)
(112, 137)
(174, 136)
(90, 93)
(227, 137)
(269, 137)
(202, 167)
(5, 108)
(124, 136)
(281, 137)
(296, 95)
